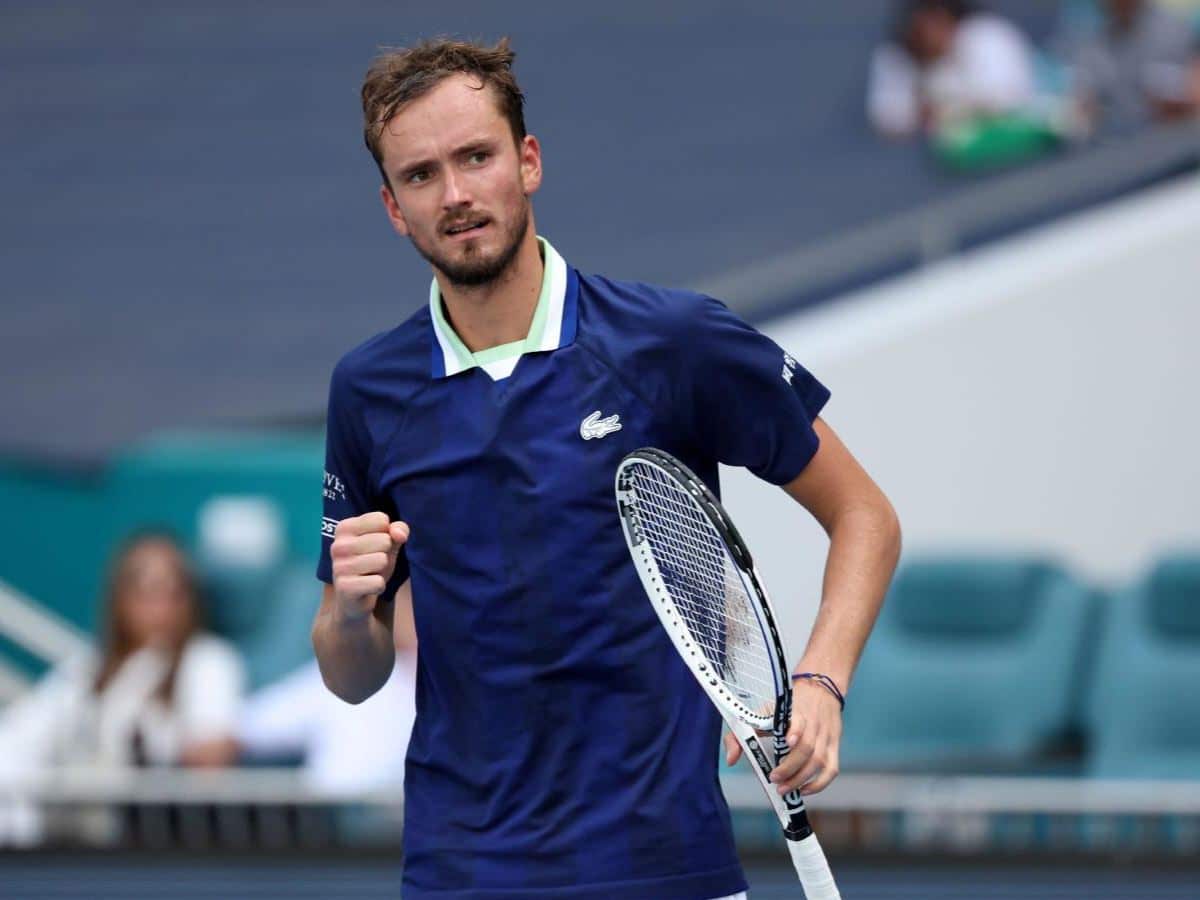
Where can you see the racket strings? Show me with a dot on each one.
(706, 588)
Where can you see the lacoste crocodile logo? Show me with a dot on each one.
(595, 427)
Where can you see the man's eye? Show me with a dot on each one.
(478, 157)
(418, 176)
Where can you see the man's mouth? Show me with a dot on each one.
(462, 228)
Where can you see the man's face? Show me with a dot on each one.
(460, 185)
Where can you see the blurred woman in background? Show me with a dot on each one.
(159, 690)
(169, 688)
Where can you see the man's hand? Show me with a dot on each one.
(214, 753)
(814, 738)
(364, 557)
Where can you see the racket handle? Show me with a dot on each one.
(813, 869)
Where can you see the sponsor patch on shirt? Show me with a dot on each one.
(334, 488)
(789, 367)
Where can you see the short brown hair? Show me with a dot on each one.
(399, 76)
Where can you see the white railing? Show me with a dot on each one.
(13, 683)
(988, 794)
(251, 786)
(850, 793)
(35, 629)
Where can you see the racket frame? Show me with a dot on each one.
(748, 727)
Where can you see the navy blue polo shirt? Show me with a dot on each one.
(561, 748)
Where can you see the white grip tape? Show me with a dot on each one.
(815, 877)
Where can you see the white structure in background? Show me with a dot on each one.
(38, 631)
(1037, 394)
(238, 531)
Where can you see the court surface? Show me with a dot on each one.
(96, 877)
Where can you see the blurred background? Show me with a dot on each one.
(976, 223)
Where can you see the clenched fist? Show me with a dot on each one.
(364, 557)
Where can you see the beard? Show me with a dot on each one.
(477, 269)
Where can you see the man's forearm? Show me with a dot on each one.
(355, 656)
(863, 550)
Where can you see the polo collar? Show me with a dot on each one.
(552, 328)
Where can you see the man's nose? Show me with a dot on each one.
(454, 192)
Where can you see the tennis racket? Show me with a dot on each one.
(709, 597)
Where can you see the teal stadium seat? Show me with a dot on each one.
(1144, 706)
(974, 665)
(267, 612)
(168, 479)
(284, 643)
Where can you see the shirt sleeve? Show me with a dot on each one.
(282, 717)
(347, 489)
(33, 726)
(997, 66)
(209, 689)
(742, 398)
(893, 105)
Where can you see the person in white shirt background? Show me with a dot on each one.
(159, 690)
(1132, 62)
(344, 748)
(948, 61)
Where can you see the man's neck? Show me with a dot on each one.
(501, 311)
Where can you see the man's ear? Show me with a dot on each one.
(531, 163)
(393, 210)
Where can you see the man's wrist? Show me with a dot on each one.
(347, 618)
(825, 682)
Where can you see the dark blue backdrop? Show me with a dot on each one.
(190, 232)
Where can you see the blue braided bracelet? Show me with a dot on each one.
(825, 681)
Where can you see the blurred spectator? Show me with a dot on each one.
(342, 747)
(158, 691)
(1132, 62)
(947, 62)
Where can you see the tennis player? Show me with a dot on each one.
(561, 748)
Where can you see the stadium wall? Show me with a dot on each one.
(1035, 395)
